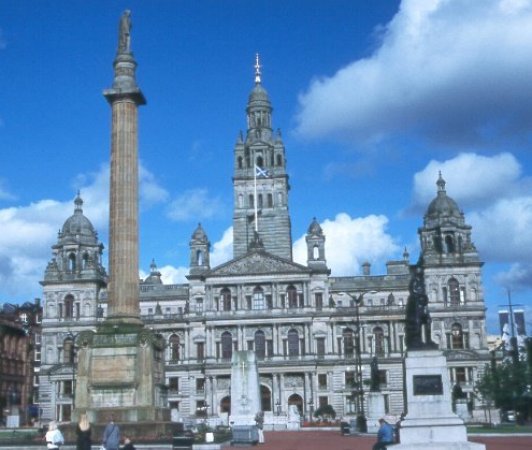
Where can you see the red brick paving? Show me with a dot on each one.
(333, 440)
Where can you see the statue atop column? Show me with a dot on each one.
(124, 33)
(418, 321)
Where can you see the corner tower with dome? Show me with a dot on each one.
(73, 282)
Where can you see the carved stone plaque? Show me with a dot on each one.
(428, 385)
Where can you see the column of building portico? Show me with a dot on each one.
(274, 338)
(188, 344)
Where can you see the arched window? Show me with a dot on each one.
(348, 342)
(279, 159)
(260, 344)
(85, 260)
(270, 201)
(454, 292)
(240, 201)
(227, 345)
(293, 342)
(240, 162)
(69, 307)
(449, 244)
(226, 299)
(72, 262)
(457, 336)
(291, 293)
(259, 201)
(260, 162)
(173, 343)
(279, 198)
(251, 202)
(391, 299)
(199, 257)
(315, 253)
(378, 334)
(68, 350)
(258, 298)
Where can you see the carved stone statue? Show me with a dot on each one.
(124, 33)
(375, 385)
(418, 321)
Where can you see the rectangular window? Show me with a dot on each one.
(199, 305)
(67, 387)
(269, 303)
(173, 384)
(200, 351)
(248, 301)
(320, 347)
(318, 298)
(383, 378)
(173, 405)
(460, 374)
(301, 300)
(322, 381)
(323, 400)
(350, 404)
(200, 385)
(350, 381)
(269, 344)
(387, 404)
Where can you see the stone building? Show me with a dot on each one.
(314, 334)
(20, 355)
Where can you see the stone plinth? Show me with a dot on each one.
(245, 391)
(375, 402)
(430, 423)
(120, 372)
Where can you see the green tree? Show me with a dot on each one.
(326, 411)
(508, 387)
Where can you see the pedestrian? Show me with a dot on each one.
(259, 420)
(128, 445)
(83, 433)
(111, 435)
(54, 437)
(384, 435)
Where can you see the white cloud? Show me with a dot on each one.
(453, 70)
(471, 179)
(518, 275)
(350, 242)
(195, 204)
(222, 251)
(28, 232)
(497, 202)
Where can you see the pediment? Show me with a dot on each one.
(258, 263)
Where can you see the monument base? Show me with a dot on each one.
(430, 423)
(376, 410)
(121, 374)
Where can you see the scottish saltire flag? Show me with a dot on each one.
(260, 172)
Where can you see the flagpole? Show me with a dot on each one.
(256, 200)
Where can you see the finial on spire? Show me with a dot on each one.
(257, 69)
(440, 183)
(78, 202)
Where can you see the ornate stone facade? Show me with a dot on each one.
(305, 326)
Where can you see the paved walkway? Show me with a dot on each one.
(333, 440)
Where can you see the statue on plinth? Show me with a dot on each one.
(418, 321)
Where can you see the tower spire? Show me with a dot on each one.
(257, 69)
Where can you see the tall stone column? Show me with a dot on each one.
(124, 97)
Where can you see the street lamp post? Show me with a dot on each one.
(73, 337)
(359, 388)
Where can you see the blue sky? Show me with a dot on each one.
(372, 98)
